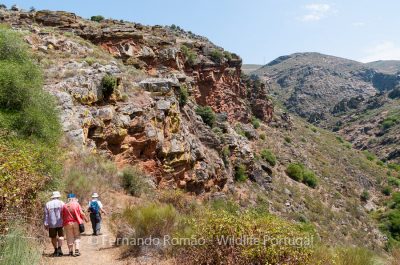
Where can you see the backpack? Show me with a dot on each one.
(94, 207)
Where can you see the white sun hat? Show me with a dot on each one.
(55, 194)
(95, 195)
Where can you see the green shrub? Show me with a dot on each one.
(310, 179)
(389, 122)
(216, 55)
(255, 122)
(393, 181)
(97, 18)
(28, 108)
(216, 225)
(386, 191)
(228, 55)
(380, 163)
(263, 136)
(300, 173)
(365, 196)
(369, 155)
(288, 139)
(295, 171)
(17, 249)
(206, 114)
(178, 199)
(108, 85)
(150, 220)
(268, 156)
(183, 95)
(241, 173)
(133, 181)
(190, 56)
(340, 139)
(394, 166)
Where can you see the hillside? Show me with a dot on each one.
(248, 68)
(317, 86)
(388, 67)
(174, 115)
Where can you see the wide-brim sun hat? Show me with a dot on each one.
(95, 195)
(55, 194)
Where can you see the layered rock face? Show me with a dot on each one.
(144, 120)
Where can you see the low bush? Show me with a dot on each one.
(190, 56)
(387, 191)
(87, 173)
(108, 85)
(178, 199)
(263, 136)
(241, 173)
(310, 179)
(389, 122)
(348, 255)
(183, 95)
(97, 18)
(365, 196)
(255, 122)
(268, 156)
(206, 114)
(370, 156)
(217, 227)
(216, 55)
(134, 182)
(17, 249)
(300, 173)
(295, 171)
(151, 220)
(393, 181)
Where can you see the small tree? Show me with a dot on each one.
(183, 95)
(240, 173)
(108, 85)
(97, 18)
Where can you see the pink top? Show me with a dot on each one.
(72, 213)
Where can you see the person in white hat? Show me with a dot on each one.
(95, 209)
(53, 222)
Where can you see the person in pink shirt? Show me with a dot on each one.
(73, 216)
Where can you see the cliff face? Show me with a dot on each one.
(144, 121)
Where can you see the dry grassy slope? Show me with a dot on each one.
(363, 127)
(334, 207)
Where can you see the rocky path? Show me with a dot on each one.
(94, 250)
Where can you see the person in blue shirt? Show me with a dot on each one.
(53, 222)
(96, 209)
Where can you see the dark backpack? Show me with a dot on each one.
(94, 207)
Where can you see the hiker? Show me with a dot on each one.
(53, 222)
(72, 217)
(95, 210)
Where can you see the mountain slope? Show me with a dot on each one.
(389, 66)
(317, 86)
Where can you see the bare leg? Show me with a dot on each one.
(60, 241)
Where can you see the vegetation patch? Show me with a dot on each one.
(241, 173)
(300, 173)
(134, 181)
(268, 156)
(108, 85)
(207, 115)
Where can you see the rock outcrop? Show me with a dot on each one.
(144, 120)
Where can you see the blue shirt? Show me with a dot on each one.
(52, 214)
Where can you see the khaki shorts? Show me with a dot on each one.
(72, 232)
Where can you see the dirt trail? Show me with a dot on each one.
(96, 250)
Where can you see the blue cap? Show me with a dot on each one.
(71, 195)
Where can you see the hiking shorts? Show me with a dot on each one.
(72, 232)
(57, 231)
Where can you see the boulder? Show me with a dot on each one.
(159, 85)
(56, 18)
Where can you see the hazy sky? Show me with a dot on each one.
(261, 30)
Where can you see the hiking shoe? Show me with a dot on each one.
(55, 253)
(59, 252)
(77, 253)
(71, 253)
